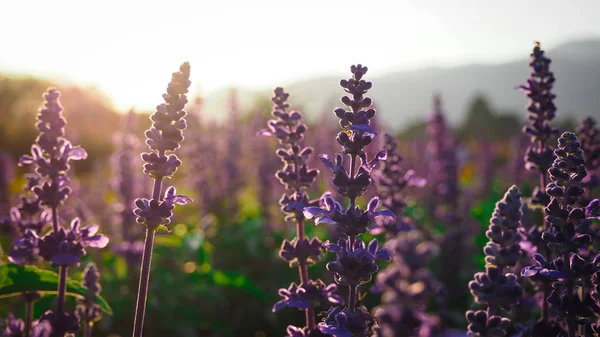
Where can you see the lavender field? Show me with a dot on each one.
(288, 213)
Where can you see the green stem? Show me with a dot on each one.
(142, 296)
(62, 292)
(28, 317)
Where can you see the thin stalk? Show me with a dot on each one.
(352, 289)
(352, 165)
(140, 307)
(28, 316)
(547, 286)
(87, 329)
(54, 219)
(352, 297)
(302, 265)
(62, 291)
(580, 329)
(303, 271)
(572, 326)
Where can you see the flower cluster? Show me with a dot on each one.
(589, 137)
(50, 156)
(30, 219)
(355, 262)
(391, 180)
(443, 166)
(296, 177)
(542, 111)
(407, 286)
(493, 288)
(165, 135)
(88, 311)
(566, 237)
(128, 186)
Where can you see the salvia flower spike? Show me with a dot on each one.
(494, 288)
(356, 261)
(88, 311)
(288, 127)
(50, 156)
(390, 181)
(567, 235)
(589, 136)
(443, 165)
(539, 154)
(406, 284)
(165, 135)
(541, 111)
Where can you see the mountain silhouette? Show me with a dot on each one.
(404, 97)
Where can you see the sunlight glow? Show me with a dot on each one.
(125, 48)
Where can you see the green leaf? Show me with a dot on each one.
(16, 279)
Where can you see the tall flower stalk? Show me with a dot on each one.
(542, 111)
(406, 284)
(589, 136)
(30, 219)
(356, 261)
(497, 288)
(390, 181)
(164, 136)
(566, 236)
(50, 155)
(443, 166)
(88, 311)
(539, 155)
(297, 177)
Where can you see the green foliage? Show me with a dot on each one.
(16, 279)
(483, 120)
(482, 212)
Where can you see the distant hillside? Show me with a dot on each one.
(404, 98)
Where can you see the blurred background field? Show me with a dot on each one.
(217, 273)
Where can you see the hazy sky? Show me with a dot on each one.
(128, 49)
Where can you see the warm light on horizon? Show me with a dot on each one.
(128, 49)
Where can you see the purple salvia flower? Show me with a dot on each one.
(203, 174)
(516, 161)
(308, 295)
(355, 263)
(14, 327)
(50, 156)
(26, 249)
(589, 137)
(266, 187)
(539, 155)
(30, 218)
(542, 111)
(67, 323)
(232, 153)
(88, 311)
(443, 165)
(568, 233)
(493, 288)
(165, 135)
(297, 177)
(66, 247)
(391, 180)
(407, 286)
(443, 202)
(41, 329)
(128, 186)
